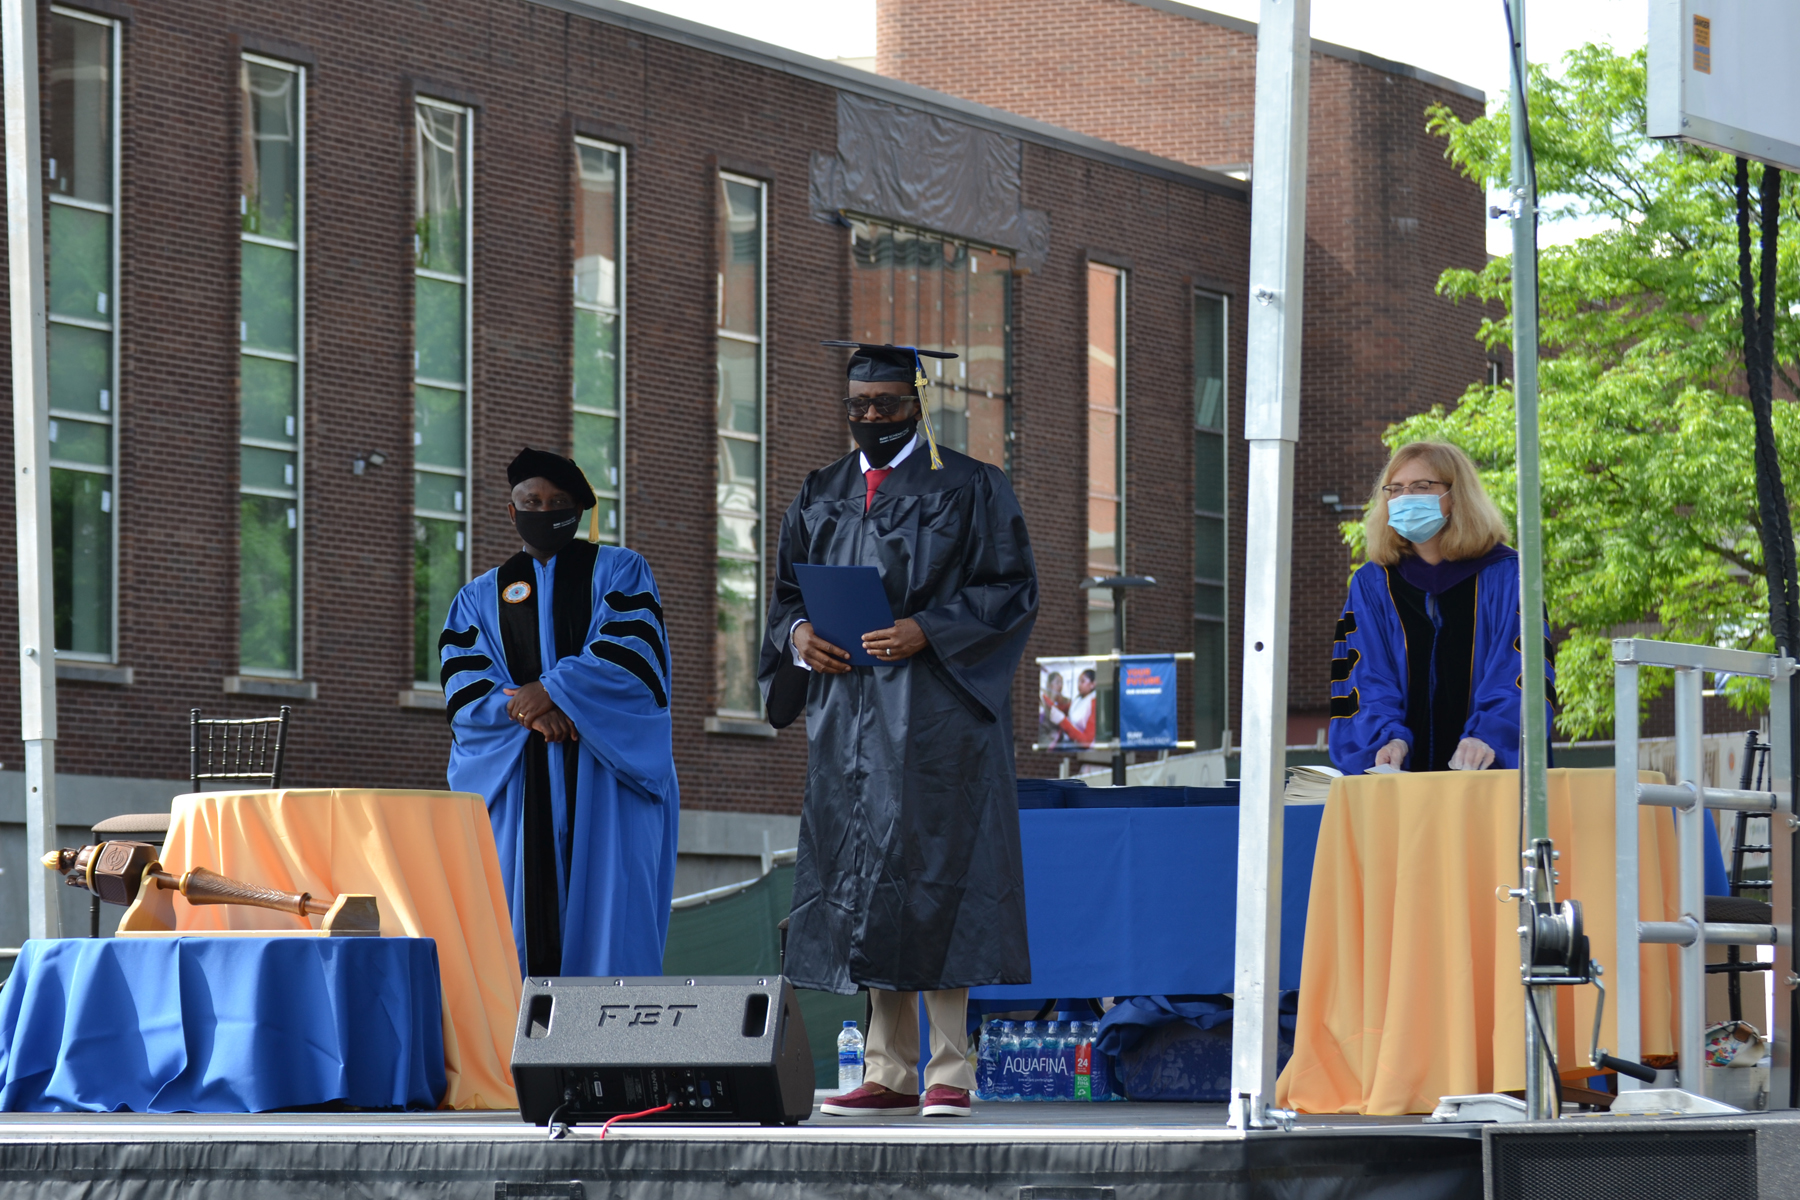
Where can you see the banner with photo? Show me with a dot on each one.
(1068, 704)
(1147, 705)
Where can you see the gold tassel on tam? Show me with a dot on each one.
(923, 386)
(593, 524)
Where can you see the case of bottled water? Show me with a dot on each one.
(1030, 1061)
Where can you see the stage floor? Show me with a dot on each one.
(1016, 1151)
(1010, 1151)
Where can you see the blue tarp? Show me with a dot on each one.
(221, 1025)
(1143, 901)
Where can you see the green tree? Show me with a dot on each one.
(1650, 511)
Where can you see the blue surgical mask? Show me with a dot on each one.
(1416, 518)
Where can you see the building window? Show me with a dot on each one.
(272, 372)
(599, 375)
(443, 146)
(911, 288)
(1106, 445)
(1211, 472)
(741, 285)
(82, 190)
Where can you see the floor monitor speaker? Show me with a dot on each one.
(713, 1048)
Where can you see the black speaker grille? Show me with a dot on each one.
(1651, 1164)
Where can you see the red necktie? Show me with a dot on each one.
(874, 475)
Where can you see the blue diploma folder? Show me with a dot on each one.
(843, 603)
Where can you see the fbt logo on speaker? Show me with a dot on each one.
(643, 1014)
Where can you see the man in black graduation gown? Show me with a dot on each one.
(908, 878)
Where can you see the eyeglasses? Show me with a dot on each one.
(885, 406)
(1418, 487)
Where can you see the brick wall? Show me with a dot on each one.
(1386, 214)
(538, 75)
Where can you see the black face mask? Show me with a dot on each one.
(548, 531)
(881, 440)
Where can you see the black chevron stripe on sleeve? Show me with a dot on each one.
(637, 664)
(636, 602)
(643, 630)
(466, 696)
(1341, 667)
(1346, 626)
(462, 639)
(461, 663)
(1346, 706)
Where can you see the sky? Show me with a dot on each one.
(1464, 40)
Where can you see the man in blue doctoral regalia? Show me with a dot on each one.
(556, 678)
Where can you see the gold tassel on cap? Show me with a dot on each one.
(593, 529)
(923, 385)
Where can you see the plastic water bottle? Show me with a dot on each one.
(1006, 1062)
(984, 1061)
(1082, 1069)
(850, 1058)
(1059, 1061)
(1100, 1066)
(1031, 1055)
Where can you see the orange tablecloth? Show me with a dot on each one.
(427, 857)
(1409, 987)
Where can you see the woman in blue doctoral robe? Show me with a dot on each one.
(585, 828)
(1426, 670)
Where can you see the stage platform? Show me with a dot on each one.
(1015, 1152)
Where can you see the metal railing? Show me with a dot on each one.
(1690, 799)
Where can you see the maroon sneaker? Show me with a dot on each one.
(870, 1101)
(941, 1101)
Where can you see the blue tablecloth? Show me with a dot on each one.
(221, 1025)
(1143, 901)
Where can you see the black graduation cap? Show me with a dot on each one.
(887, 364)
(541, 464)
(896, 364)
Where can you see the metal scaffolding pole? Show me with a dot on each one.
(1534, 731)
(1271, 426)
(31, 455)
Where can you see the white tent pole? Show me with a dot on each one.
(1271, 426)
(31, 455)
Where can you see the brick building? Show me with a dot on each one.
(1386, 214)
(318, 270)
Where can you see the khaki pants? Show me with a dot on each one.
(892, 1055)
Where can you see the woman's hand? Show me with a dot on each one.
(818, 653)
(1472, 754)
(1392, 754)
(903, 640)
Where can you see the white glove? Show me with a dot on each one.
(1392, 754)
(1472, 754)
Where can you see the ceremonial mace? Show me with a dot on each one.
(128, 873)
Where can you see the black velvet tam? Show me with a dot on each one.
(541, 464)
(885, 364)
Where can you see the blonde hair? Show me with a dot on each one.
(1475, 525)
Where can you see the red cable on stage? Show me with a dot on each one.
(632, 1117)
